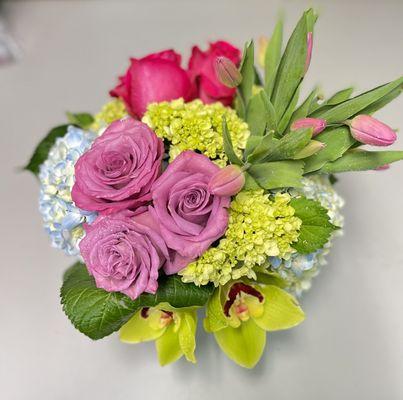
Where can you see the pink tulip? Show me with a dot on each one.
(227, 182)
(317, 124)
(369, 130)
(227, 72)
(309, 40)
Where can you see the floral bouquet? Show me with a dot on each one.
(206, 188)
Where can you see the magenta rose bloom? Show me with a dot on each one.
(154, 78)
(203, 74)
(124, 252)
(189, 216)
(118, 171)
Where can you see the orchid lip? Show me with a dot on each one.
(237, 288)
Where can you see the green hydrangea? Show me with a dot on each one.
(111, 111)
(196, 126)
(259, 226)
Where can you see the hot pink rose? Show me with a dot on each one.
(154, 78)
(119, 169)
(124, 252)
(203, 73)
(190, 217)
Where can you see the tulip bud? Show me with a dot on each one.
(309, 45)
(382, 167)
(312, 148)
(317, 124)
(369, 130)
(227, 182)
(227, 72)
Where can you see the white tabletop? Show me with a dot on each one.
(350, 346)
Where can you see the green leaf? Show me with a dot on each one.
(303, 109)
(248, 72)
(228, 147)
(377, 105)
(281, 149)
(291, 69)
(168, 347)
(316, 228)
(348, 108)
(272, 57)
(187, 334)
(269, 278)
(98, 313)
(42, 150)
(340, 96)
(361, 160)
(138, 330)
(337, 141)
(215, 318)
(281, 310)
(278, 174)
(82, 120)
(243, 345)
(285, 119)
(250, 183)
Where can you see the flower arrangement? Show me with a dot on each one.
(208, 187)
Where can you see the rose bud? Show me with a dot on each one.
(309, 41)
(317, 124)
(369, 130)
(227, 72)
(312, 148)
(227, 182)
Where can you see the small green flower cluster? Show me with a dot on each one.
(260, 226)
(111, 111)
(196, 126)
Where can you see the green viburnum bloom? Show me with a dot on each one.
(173, 330)
(240, 313)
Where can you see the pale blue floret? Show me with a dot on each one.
(300, 269)
(62, 219)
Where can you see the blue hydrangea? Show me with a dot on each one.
(300, 269)
(62, 219)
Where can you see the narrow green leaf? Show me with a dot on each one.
(250, 183)
(285, 119)
(98, 313)
(348, 108)
(272, 57)
(281, 310)
(377, 105)
(278, 174)
(243, 345)
(337, 141)
(316, 229)
(291, 69)
(282, 149)
(248, 72)
(303, 109)
(340, 96)
(42, 150)
(361, 160)
(228, 147)
(256, 116)
(263, 148)
(82, 120)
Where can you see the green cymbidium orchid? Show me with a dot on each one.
(240, 313)
(172, 329)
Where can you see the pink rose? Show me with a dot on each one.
(124, 252)
(202, 71)
(189, 216)
(119, 169)
(154, 78)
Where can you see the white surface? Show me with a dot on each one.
(351, 345)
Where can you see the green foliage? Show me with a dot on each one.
(316, 228)
(42, 150)
(361, 160)
(278, 174)
(82, 120)
(227, 144)
(98, 313)
(247, 70)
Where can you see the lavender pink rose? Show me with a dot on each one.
(124, 252)
(118, 171)
(190, 217)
